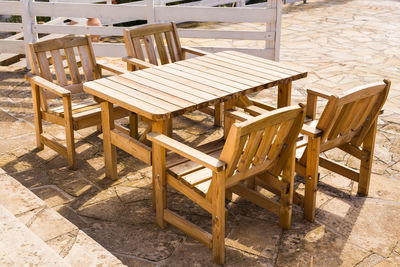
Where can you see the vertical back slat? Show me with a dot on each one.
(327, 117)
(138, 48)
(177, 41)
(171, 48)
(265, 145)
(92, 58)
(341, 120)
(280, 139)
(151, 53)
(161, 48)
(128, 43)
(372, 101)
(72, 66)
(232, 150)
(44, 66)
(86, 64)
(59, 67)
(251, 148)
(358, 112)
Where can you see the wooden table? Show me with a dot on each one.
(166, 91)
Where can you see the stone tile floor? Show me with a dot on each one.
(342, 43)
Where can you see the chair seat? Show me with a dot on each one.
(191, 173)
(80, 110)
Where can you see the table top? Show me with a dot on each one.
(173, 89)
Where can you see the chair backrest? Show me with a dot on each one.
(350, 116)
(49, 59)
(163, 37)
(262, 143)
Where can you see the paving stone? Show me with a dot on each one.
(312, 242)
(43, 221)
(351, 218)
(20, 247)
(15, 198)
(52, 195)
(146, 241)
(255, 237)
(86, 252)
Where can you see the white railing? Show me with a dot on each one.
(270, 15)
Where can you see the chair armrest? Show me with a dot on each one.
(237, 115)
(194, 51)
(310, 131)
(47, 85)
(137, 62)
(319, 93)
(261, 104)
(187, 151)
(111, 68)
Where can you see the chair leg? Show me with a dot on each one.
(218, 114)
(133, 125)
(159, 175)
(310, 195)
(285, 211)
(218, 217)
(38, 116)
(69, 132)
(366, 163)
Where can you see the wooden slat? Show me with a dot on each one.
(150, 50)
(250, 149)
(149, 29)
(188, 192)
(60, 43)
(286, 65)
(181, 102)
(185, 81)
(264, 63)
(59, 67)
(131, 146)
(235, 63)
(165, 89)
(171, 47)
(257, 198)
(125, 101)
(188, 227)
(159, 82)
(340, 169)
(229, 65)
(86, 63)
(44, 66)
(72, 65)
(185, 67)
(209, 65)
(162, 53)
(47, 140)
(197, 177)
(147, 98)
(265, 144)
(233, 79)
(138, 48)
(280, 139)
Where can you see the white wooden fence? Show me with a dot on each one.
(148, 10)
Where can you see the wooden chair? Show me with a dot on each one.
(260, 150)
(162, 40)
(348, 122)
(53, 55)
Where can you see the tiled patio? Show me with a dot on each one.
(342, 44)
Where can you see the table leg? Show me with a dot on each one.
(227, 120)
(110, 153)
(159, 174)
(284, 94)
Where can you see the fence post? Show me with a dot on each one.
(150, 11)
(278, 29)
(27, 22)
